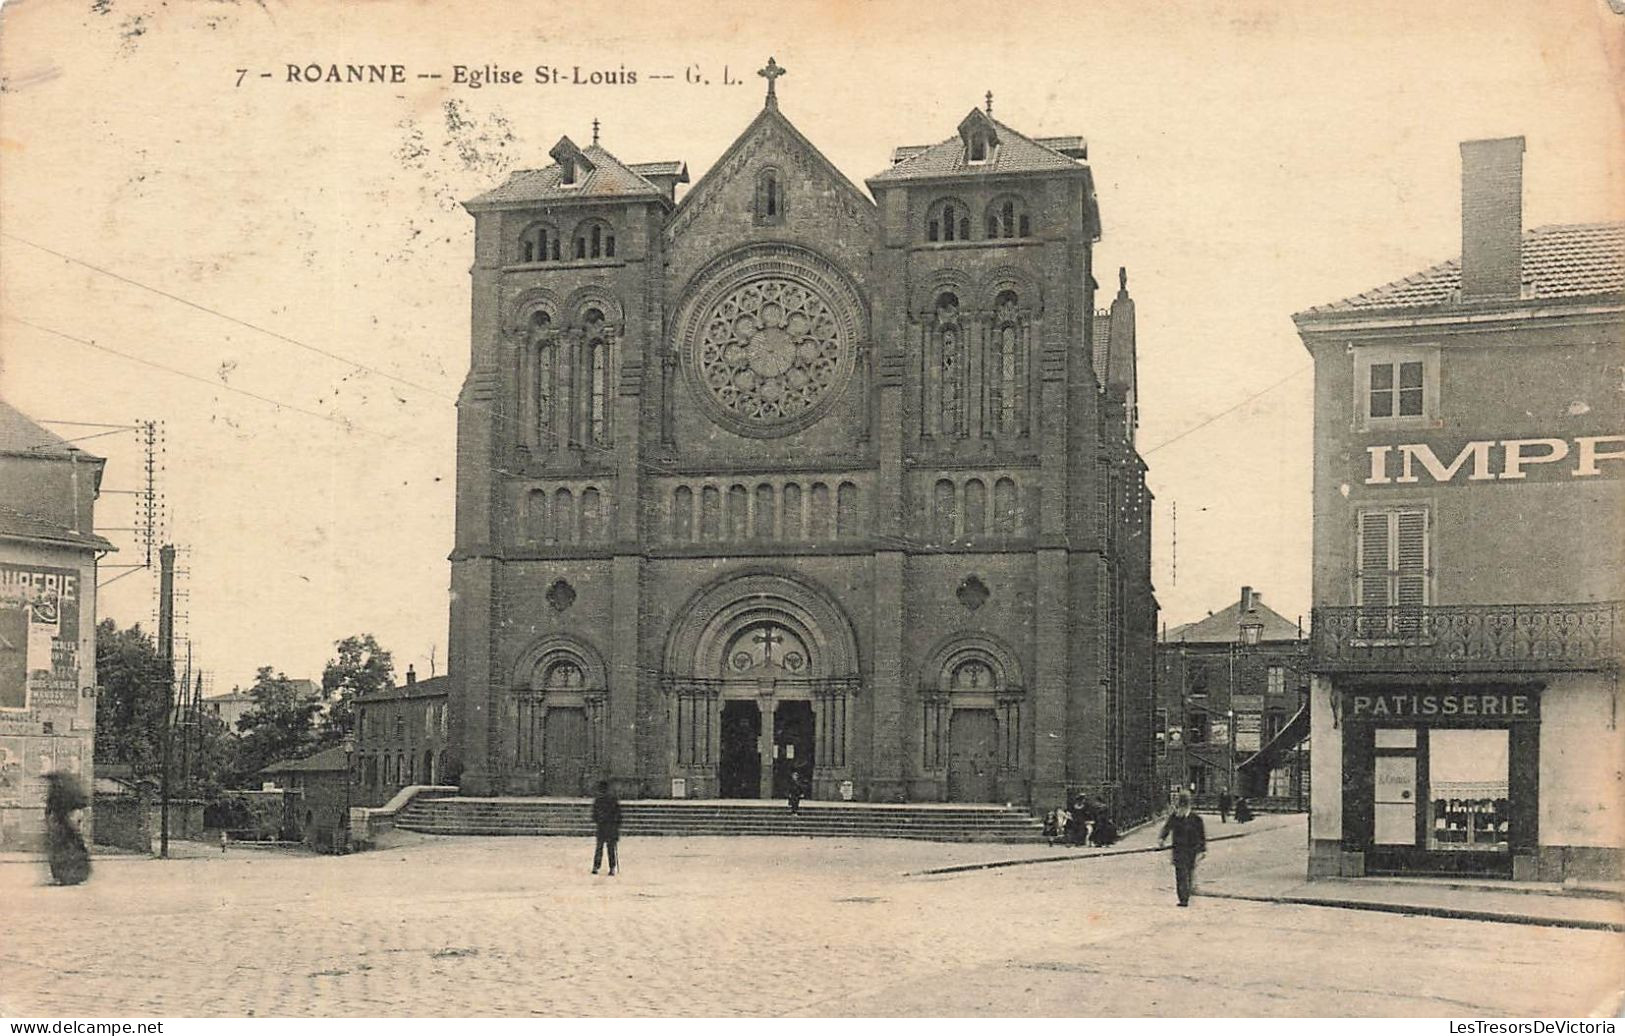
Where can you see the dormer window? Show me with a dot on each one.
(978, 148)
(573, 165)
(567, 173)
(980, 135)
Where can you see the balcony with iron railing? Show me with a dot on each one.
(1468, 638)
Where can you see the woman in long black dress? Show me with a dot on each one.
(70, 860)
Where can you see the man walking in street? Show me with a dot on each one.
(606, 818)
(1224, 806)
(1190, 844)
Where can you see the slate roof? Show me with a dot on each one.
(1224, 627)
(609, 178)
(1015, 154)
(18, 434)
(19, 525)
(328, 760)
(1565, 261)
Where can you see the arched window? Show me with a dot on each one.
(1007, 217)
(592, 516)
(536, 516)
(1006, 508)
(950, 364)
(538, 362)
(948, 220)
(942, 518)
(595, 239)
(764, 511)
(769, 197)
(682, 514)
(1006, 366)
(846, 512)
(791, 504)
(738, 513)
(710, 514)
(539, 243)
(975, 508)
(564, 516)
(597, 346)
(819, 516)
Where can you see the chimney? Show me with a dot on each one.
(1492, 218)
(1246, 599)
(411, 676)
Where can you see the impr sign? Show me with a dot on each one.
(1496, 460)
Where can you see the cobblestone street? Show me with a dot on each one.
(516, 926)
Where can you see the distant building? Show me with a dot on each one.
(229, 708)
(48, 555)
(1469, 568)
(1228, 686)
(401, 738)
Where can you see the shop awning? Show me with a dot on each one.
(1271, 755)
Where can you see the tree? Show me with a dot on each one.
(281, 724)
(134, 684)
(361, 667)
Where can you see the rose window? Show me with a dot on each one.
(770, 351)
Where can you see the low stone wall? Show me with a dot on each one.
(367, 822)
(122, 822)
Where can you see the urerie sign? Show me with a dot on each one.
(1497, 460)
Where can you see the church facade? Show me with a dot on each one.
(778, 482)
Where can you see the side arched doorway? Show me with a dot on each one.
(971, 719)
(760, 675)
(557, 715)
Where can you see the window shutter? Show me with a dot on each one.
(1375, 557)
(1411, 580)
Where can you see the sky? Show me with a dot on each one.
(278, 271)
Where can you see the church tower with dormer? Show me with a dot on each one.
(777, 482)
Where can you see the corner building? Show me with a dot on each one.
(1468, 569)
(781, 480)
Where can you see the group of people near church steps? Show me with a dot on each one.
(1086, 822)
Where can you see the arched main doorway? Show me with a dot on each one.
(760, 676)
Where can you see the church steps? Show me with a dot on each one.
(764, 818)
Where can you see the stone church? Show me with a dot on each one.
(783, 480)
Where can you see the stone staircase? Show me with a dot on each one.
(729, 817)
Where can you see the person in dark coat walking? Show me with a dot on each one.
(606, 818)
(1224, 806)
(65, 846)
(1244, 810)
(795, 792)
(1190, 844)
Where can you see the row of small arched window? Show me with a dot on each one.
(767, 511)
(951, 220)
(542, 243)
(960, 511)
(564, 516)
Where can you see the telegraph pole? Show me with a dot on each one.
(166, 649)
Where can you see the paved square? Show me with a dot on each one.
(516, 926)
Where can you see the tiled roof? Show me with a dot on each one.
(433, 687)
(19, 525)
(328, 760)
(1559, 262)
(658, 168)
(609, 178)
(1015, 154)
(1224, 627)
